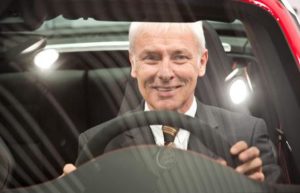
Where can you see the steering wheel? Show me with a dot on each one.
(144, 169)
(110, 129)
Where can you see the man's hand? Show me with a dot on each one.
(68, 168)
(249, 157)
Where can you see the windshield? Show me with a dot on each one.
(70, 81)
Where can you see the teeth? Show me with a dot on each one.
(165, 88)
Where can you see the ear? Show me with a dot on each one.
(203, 62)
(133, 65)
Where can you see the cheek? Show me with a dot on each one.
(145, 69)
(146, 73)
(188, 74)
(144, 78)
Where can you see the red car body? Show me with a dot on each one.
(286, 21)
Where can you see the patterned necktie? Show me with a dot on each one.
(169, 134)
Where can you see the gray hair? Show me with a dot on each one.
(196, 28)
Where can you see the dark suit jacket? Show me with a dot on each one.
(233, 126)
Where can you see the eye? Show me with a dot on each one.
(180, 58)
(151, 58)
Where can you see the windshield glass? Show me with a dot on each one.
(76, 89)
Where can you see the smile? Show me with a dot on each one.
(166, 88)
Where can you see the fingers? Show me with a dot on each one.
(249, 154)
(238, 147)
(258, 176)
(252, 165)
(68, 168)
(244, 153)
(222, 162)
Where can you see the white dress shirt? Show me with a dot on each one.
(182, 138)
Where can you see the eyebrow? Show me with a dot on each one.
(147, 51)
(176, 51)
(182, 51)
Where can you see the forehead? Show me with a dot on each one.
(171, 37)
(164, 29)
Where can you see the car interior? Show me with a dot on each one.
(43, 112)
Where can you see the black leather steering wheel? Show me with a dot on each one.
(110, 129)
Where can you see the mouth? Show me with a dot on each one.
(166, 88)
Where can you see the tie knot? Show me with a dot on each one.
(169, 134)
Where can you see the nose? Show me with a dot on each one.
(165, 71)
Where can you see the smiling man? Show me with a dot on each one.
(166, 63)
(167, 59)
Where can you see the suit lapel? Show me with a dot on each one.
(205, 115)
(138, 136)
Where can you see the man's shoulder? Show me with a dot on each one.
(231, 113)
(236, 126)
(225, 115)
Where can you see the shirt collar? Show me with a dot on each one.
(190, 112)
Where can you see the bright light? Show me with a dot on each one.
(238, 91)
(35, 45)
(46, 58)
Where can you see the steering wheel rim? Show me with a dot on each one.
(112, 128)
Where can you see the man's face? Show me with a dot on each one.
(166, 66)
